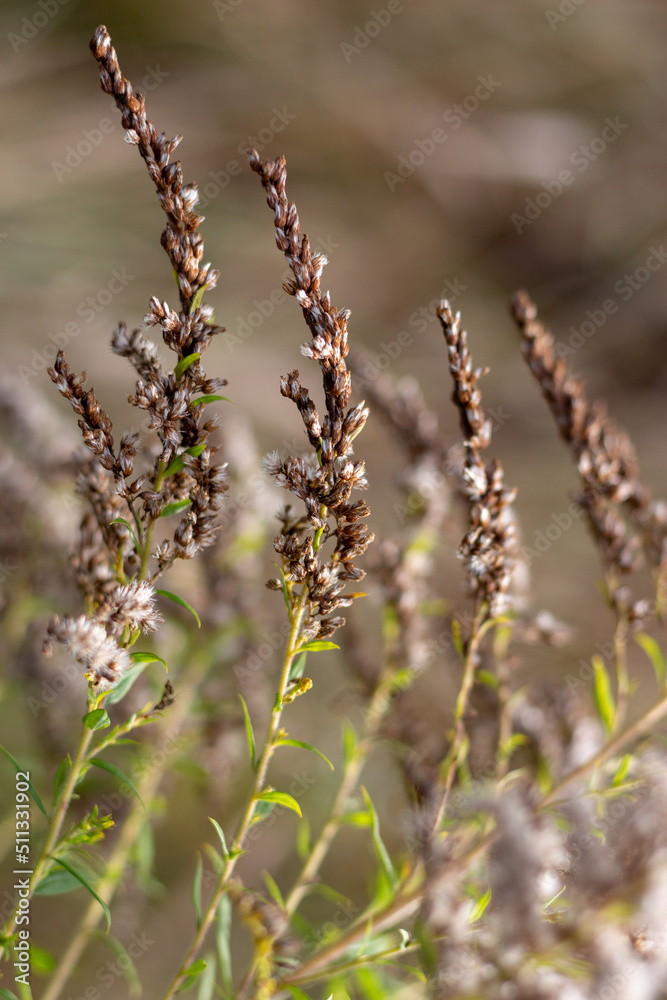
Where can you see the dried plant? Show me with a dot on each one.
(533, 855)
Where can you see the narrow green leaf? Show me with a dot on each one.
(316, 646)
(350, 741)
(506, 749)
(57, 882)
(121, 520)
(196, 888)
(84, 882)
(296, 671)
(104, 765)
(281, 799)
(203, 400)
(357, 817)
(303, 839)
(177, 464)
(196, 299)
(486, 677)
(174, 508)
(261, 811)
(7, 994)
(479, 907)
(191, 973)
(42, 961)
(283, 580)
(140, 662)
(458, 641)
(60, 775)
(149, 658)
(655, 655)
(97, 719)
(380, 849)
(604, 698)
(219, 831)
(223, 931)
(186, 363)
(183, 603)
(31, 787)
(284, 742)
(274, 891)
(621, 771)
(249, 731)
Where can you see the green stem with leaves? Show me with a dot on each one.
(246, 820)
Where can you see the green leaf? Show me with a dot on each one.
(97, 719)
(456, 636)
(60, 775)
(191, 973)
(174, 508)
(186, 363)
(7, 994)
(380, 849)
(479, 907)
(296, 671)
(359, 817)
(149, 658)
(21, 770)
(350, 742)
(121, 520)
(486, 677)
(84, 882)
(280, 799)
(654, 653)
(223, 931)
(274, 891)
(183, 603)
(249, 731)
(42, 961)
(140, 662)
(177, 464)
(506, 749)
(284, 742)
(203, 400)
(196, 299)
(316, 646)
(104, 765)
(196, 888)
(604, 698)
(621, 771)
(303, 838)
(221, 835)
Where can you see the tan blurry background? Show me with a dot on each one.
(344, 97)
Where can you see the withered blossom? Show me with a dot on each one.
(489, 550)
(87, 641)
(325, 485)
(619, 509)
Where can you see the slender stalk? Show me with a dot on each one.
(374, 715)
(248, 813)
(118, 859)
(55, 826)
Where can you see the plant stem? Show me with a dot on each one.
(248, 813)
(55, 826)
(374, 715)
(127, 838)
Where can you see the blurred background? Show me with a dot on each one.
(462, 150)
